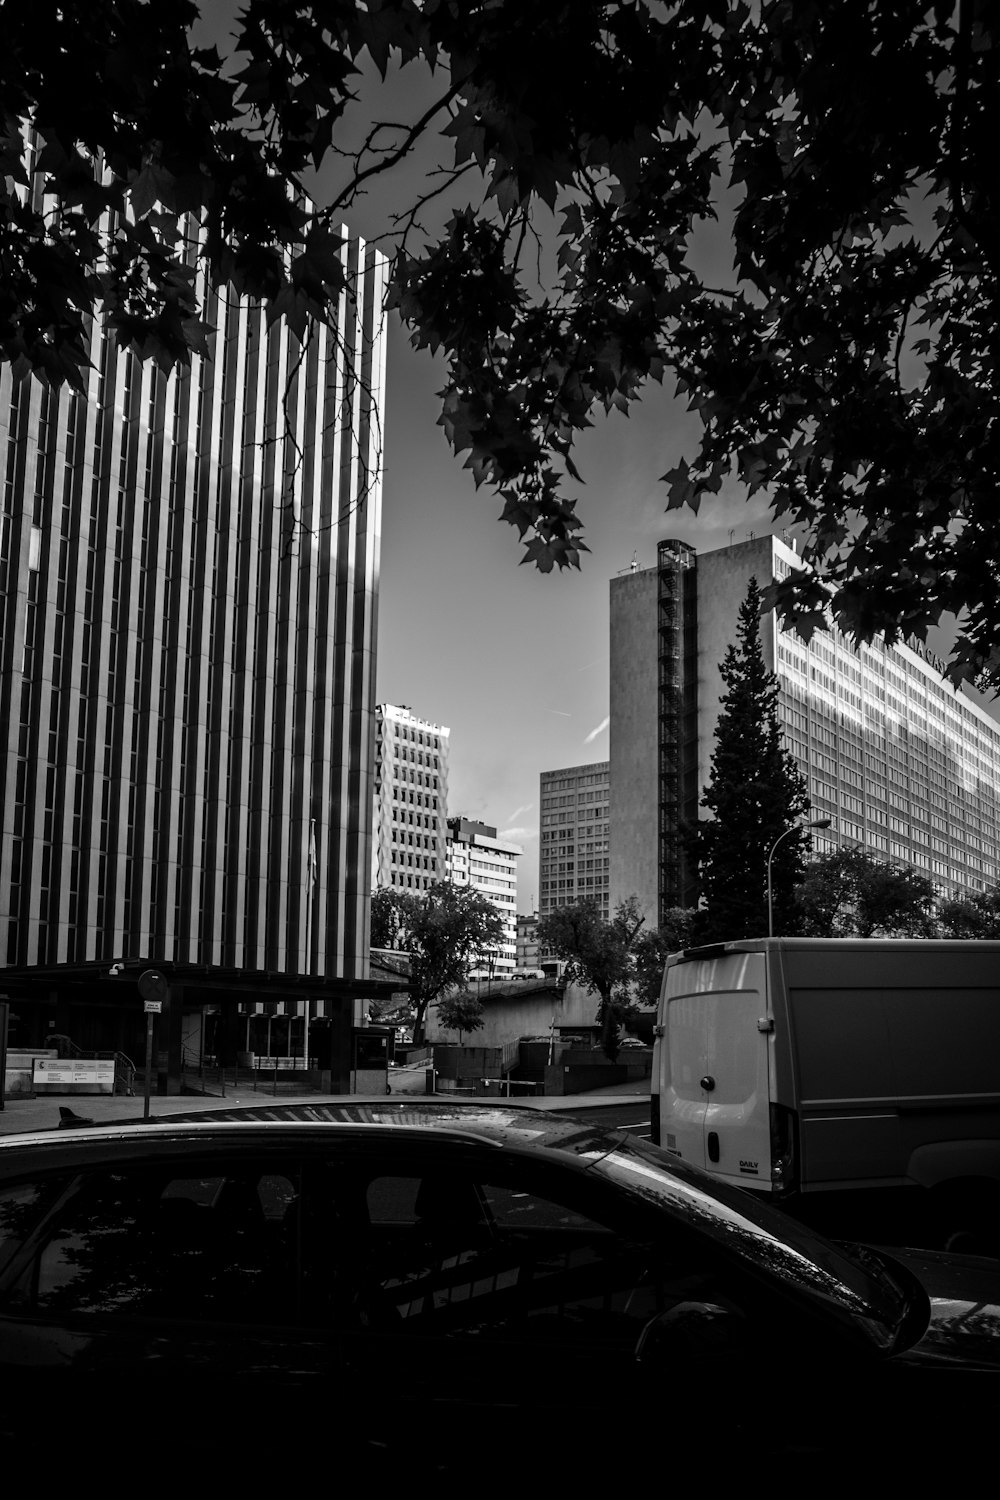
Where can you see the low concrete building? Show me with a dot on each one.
(516, 1009)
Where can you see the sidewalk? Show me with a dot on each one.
(29, 1116)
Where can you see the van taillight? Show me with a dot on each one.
(784, 1148)
(654, 1119)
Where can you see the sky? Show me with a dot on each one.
(513, 661)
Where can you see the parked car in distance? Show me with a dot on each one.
(319, 1291)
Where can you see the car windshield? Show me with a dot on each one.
(763, 1238)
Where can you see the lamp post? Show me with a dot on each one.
(817, 823)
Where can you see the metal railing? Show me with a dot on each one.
(124, 1074)
(261, 1074)
(125, 1069)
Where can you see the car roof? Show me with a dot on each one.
(518, 1128)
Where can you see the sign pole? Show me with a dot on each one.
(150, 1018)
(154, 990)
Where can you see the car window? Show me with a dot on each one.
(462, 1254)
(763, 1238)
(216, 1245)
(21, 1207)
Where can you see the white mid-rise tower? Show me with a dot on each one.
(409, 832)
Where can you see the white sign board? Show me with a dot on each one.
(73, 1075)
(152, 1007)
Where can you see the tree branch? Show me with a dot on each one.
(350, 192)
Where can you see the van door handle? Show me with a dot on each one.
(708, 1083)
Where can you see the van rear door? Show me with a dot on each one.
(715, 1089)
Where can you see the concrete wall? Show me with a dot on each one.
(20, 1075)
(633, 817)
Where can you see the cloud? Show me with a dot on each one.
(518, 835)
(519, 810)
(602, 726)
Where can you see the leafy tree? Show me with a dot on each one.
(651, 950)
(443, 932)
(846, 367)
(755, 795)
(851, 893)
(390, 913)
(598, 955)
(976, 914)
(460, 1012)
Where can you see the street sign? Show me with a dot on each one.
(73, 1075)
(153, 985)
(152, 1007)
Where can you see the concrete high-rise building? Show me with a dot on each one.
(188, 581)
(410, 833)
(528, 951)
(573, 859)
(902, 764)
(477, 858)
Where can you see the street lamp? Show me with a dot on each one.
(817, 823)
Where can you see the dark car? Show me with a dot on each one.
(483, 1294)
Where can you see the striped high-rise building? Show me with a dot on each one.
(188, 583)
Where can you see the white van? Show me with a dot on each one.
(800, 1067)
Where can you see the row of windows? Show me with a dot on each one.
(924, 697)
(392, 727)
(402, 753)
(408, 881)
(420, 840)
(419, 799)
(567, 867)
(414, 861)
(418, 819)
(567, 783)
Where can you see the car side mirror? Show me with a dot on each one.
(701, 1332)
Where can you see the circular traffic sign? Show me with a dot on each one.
(153, 985)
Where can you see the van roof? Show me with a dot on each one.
(759, 945)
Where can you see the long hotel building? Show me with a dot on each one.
(899, 761)
(188, 581)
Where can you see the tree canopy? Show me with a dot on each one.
(975, 914)
(846, 367)
(599, 955)
(652, 948)
(443, 932)
(756, 797)
(850, 892)
(460, 1012)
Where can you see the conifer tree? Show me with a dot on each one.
(755, 794)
